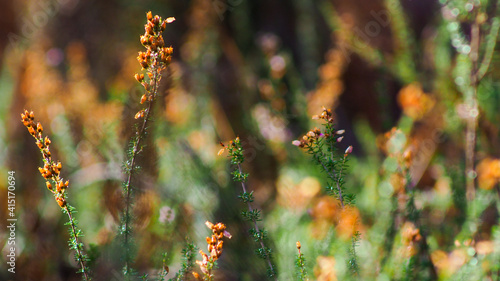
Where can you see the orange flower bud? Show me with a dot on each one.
(31, 131)
(156, 20)
(59, 186)
(139, 77)
(209, 224)
(39, 128)
(49, 186)
(61, 201)
(39, 144)
(139, 114)
(149, 15)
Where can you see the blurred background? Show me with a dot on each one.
(258, 70)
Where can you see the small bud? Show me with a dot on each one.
(156, 20)
(340, 132)
(144, 40)
(170, 20)
(209, 224)
(139, 114)
(139, 77)
(407, 155)
(39, 128)
(296, 142)
(31, 131)
(348, 150)
(39, 144)
(340, 139)
(298, 245)
(61, 201)
(149, 15)
(59, 186)
(49, 186)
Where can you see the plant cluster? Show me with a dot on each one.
(236, 154)
(322, 145)
(408, 186)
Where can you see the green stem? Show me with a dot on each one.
(80, 256)
(133, 158)
(256, 227)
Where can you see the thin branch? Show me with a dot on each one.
(79, 252)
(135, 152)
(490, 49)
(256, 227)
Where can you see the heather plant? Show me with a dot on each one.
(51, 172)
(188, 261)
(323, 147)
(259, 235)
(154, 60)
(300, 264)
